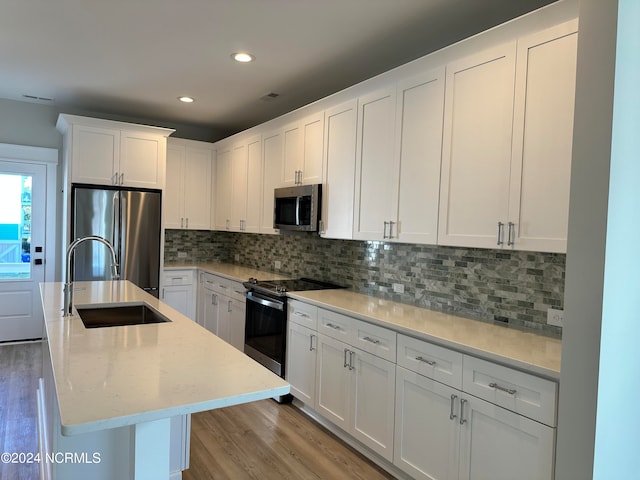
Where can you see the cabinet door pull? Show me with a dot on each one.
(371, 340)
(427, 361)
(122, 179)
(229, 306)
(331, 325)
(391, 224)
(500, 228)
(311, 337)
(453, 401)
(462, 419)
(351, 355)
(214, 299)
(510, 391)
(384, 231)
(186, 222)
(114, 180)
(510, 231)
(346, 351)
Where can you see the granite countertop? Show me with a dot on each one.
(231, 271)
(529, 352)
(116, 376)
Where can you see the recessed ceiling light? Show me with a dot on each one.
(185, 99)
(242, 57)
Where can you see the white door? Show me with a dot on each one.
(333, 381)
(476, 148)
(376, 179)
(301, 362)
(426, 427)
(22, 249)
(373, 399)
(518, 447)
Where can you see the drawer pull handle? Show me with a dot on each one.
(510, 391)
(428, 362)
(462, 419)
(371, 340)
(453, 401)
(331, 325)
(300, 314)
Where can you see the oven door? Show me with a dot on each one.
(266, 330)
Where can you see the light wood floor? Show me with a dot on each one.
(20, 369)
(261, 440)
(264, 440)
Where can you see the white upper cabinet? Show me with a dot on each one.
(251, 221)
(104, 152)
(375, 181)
(420, 103)
(272, 156)
(506, 155)
(340, 159)
(302, 151)
(476, 150)
(238, 185)
(187, 194)
(398, 161)
(223, 188)
(542, 139)
(239, 170)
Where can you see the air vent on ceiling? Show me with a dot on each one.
(37, 99)
(269, 97)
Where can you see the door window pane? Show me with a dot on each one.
(15, 226)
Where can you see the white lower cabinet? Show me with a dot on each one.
(302, 343)
(221, 308)
(178, 291)
(435, 413)
(355, 391)
(443, 433)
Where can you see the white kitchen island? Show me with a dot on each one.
(110, 396)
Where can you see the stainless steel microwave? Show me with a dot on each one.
(297, 208)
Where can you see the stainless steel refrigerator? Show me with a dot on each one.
(131, 221)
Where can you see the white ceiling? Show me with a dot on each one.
(135, 57)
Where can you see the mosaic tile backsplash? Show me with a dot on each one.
(507, 287)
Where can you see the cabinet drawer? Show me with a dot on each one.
(520, 392)
(178, 277)
(303, 314)
(335, 325)
(430, 360)
(236, 290)
(374, 339)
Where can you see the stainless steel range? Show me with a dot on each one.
(265, 336)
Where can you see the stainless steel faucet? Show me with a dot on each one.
(68, 286)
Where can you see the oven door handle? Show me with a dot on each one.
(263, 301)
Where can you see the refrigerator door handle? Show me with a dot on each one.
(115, 241)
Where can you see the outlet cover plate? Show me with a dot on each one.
(398, 288)
(555, 317)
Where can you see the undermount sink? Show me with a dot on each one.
(119, 316)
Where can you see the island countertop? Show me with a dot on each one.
(124, 375)
(525, 351)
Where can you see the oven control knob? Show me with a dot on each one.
(253, 280)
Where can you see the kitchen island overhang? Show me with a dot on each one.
(127, 376)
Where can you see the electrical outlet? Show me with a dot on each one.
(276, 264)
(555, 317)
(182, 254)
(236, 257)
(398, 288)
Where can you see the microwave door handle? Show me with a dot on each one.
(297, 211)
